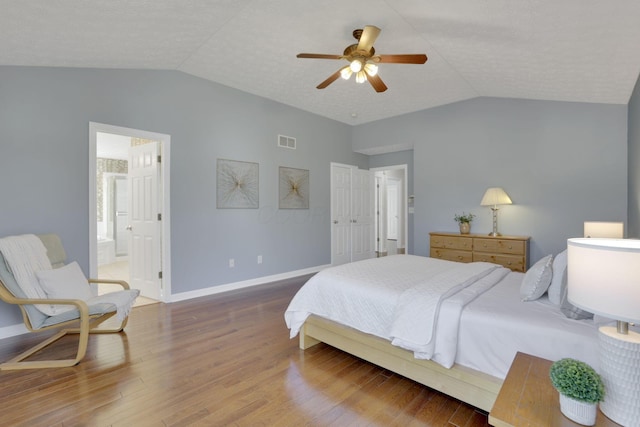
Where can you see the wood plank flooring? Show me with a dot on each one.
(221, 360)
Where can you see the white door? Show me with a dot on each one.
(362, 215)
(393, 190)
(352, 214)
(340, 214)
(145, 244)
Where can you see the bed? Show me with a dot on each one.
(451, 326)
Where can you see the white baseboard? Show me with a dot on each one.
(19, 329)
(244, 284)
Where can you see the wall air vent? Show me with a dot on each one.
(286, 142)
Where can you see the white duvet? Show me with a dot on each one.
(414, 302)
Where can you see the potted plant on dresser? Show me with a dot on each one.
(464, 221)
(580, 389)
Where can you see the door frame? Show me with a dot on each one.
(404, 199)
(163, 205)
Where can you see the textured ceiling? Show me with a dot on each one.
(567, 50)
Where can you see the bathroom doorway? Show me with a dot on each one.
(391, 210)
(130, 217)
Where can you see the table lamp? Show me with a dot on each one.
(493, 197)
(604, 229)
(604, 278)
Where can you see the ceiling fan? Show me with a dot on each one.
(363, 60)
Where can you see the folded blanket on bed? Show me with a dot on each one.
(417, 309)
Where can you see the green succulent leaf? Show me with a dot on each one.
(577, 380)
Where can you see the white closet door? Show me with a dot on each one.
(362, 215)
(340, 214)
(352, 214)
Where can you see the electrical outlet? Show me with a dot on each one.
(232, 262)
(259, 259)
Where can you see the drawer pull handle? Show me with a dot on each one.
(459, 257)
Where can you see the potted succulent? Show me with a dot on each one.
(464, 221)
(580, 389)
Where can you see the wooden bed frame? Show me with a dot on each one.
(470, 386)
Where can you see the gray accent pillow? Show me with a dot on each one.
(537, 279)
(559, 277)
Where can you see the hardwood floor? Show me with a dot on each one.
(220, 360)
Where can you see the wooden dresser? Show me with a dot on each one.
(509, 251)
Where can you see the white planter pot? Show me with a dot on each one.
(581, 412)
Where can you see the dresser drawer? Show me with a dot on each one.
(514, 262)
(451, 255)
(508, 251)
(502, 246)
(452, 242)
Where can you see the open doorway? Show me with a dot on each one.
(391, 210)
(129, 209)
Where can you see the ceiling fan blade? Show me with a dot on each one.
(377, 83)
(401, 59)
(332, 78)
(318, 56)
(367, 39)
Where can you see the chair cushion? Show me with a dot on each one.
(72, 314)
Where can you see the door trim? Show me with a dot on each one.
(164, 204)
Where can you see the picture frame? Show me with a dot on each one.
(293, 185)
(237, 184)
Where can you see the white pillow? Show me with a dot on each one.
(559, 276)
(537, 279)
(68, 282)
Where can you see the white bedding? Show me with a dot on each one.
(480, 324)
(498, 324)
(398, 298)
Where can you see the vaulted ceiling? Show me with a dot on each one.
(566, 50)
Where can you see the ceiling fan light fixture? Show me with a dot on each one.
(371, 69)
(363, 61)
(346, 72)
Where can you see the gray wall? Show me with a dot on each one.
(634, 163)
(44, 154)
(561, 163)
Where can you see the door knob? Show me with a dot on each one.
(129, 228)
(335, 221)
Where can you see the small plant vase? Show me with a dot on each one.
(581, 412)
(465, 227)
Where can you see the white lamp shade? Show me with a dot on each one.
(614, 230)
(495, 196)
(604, 277)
